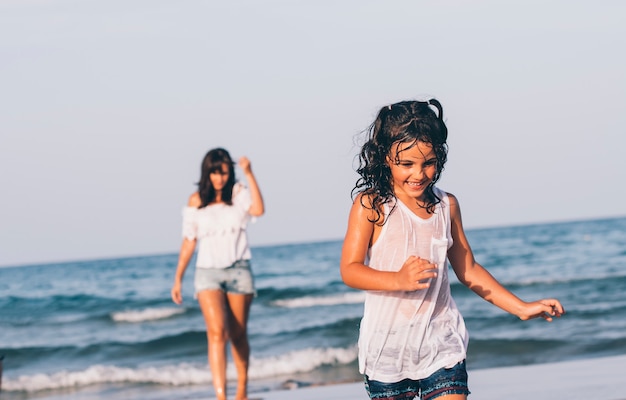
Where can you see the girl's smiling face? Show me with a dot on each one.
(413, 167)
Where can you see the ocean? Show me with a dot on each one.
(108, 329)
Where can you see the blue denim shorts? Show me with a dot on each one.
(442, 382)
(236, 279)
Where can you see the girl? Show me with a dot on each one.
(402, 231)
(216, 218)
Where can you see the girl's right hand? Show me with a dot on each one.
(416, 274)
(176, 293)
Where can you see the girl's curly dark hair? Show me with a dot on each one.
(403, 122)
(212, 162)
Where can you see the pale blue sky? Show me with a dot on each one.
(107, 107)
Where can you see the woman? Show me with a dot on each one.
(216, 218)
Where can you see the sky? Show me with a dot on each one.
(108, 106)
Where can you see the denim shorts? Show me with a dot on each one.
(442, 382)
(234, 279)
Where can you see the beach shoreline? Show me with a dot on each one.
(590, 378)
(594, 378)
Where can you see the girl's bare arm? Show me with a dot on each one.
(478, 279)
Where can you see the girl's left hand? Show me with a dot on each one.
(545, 308)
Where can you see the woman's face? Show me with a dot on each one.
(412, 169)
(219, 178)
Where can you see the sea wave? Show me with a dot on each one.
(311, 301)
(304, 360)
(182, 374)
(148, 314)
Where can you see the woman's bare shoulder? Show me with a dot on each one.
(194, 200)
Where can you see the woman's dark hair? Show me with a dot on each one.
(212, 162)
(403, 122)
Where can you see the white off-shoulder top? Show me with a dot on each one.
(220, 230)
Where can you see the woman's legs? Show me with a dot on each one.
(214, 309)
(226, 318)
(239, 305)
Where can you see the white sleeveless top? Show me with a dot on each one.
(220, 230)
(411, 334)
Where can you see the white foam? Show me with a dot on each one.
(300, 361)
(312, 301)
(180, 374)
(148, 314)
